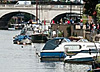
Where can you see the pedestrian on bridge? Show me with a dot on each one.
(81, 25)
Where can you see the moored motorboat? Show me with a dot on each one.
(36, 33)
(22, 39)
(80, 52)
(15, 26)
(53, 50)
(39, 38)
(26, 41)
(11, 27)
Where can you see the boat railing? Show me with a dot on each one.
(68, 53)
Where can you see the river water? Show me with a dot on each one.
(23, 58)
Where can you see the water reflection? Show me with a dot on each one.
(15, 58)
(76, 67)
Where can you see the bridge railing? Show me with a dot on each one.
(63, 6)
(14, 5)
(73, 7)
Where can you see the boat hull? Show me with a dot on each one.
(87, 60)
(11, 29)
(25, 42)
(52, 56)
(39, 38)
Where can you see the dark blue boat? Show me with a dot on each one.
(39, 38)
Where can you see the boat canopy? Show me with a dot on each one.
(83, 40)
(52, 44)
(21, 37)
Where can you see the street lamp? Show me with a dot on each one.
(36, 10)
(80, 12)
(57, 30)
(95, 18)
(69, 2)
(70, 9)
(80, 9)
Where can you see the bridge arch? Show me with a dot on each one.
(5, 18)
(66, 15)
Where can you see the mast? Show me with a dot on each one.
(36, 10)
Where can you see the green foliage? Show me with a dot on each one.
(84, 17)
(69, 30)
(27, 17)
(98, 12)
(60, 34)
(12, 21)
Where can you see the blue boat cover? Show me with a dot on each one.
(21, 37)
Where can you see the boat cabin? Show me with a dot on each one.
(80, 51)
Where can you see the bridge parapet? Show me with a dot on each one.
(14, 5)
(73, 7)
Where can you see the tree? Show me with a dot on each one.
(27, 17)
(89, 7)
(12, 21)
(98, 12)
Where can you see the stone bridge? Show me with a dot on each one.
(45, 12)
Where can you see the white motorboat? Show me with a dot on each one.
(15, 26)
(53, 50)
(80, 52)
(25, 41)
(11, 27)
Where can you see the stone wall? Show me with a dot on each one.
(60, 27)
(75, 31)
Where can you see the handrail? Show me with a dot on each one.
(42, 6)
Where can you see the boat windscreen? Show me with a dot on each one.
(52, 44)
(66, 40)
(73, 47)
